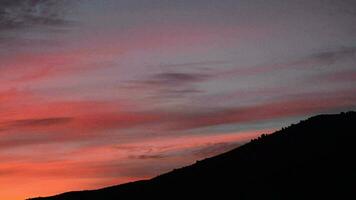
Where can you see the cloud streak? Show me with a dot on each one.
(311, 61)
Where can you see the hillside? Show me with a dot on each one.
(312, 159)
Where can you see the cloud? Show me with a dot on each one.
(139, 160)
(321, 58)
(27, 25)
(171, 84)
(24, 67)
(347, 7)
(332, 56)
(66, 122)
(337, 77)
(287, 106)
(16, 14)
(39, 122)
(143, 157)
(175, 78)
(195, 64)
(9, 95)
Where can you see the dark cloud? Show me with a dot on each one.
(144, 157)
(171, 84)
(176, 84)
(195, 64)
(42, 122)
(326, 57)
(347, 7)
(16, 14)
(176, 93)
(330, 57)
(5, 172)
(289, 106)
(35, 122)
(14, 139)
(14, 42)
(335, 77)
(176, 78)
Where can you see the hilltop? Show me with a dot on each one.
(312, 159)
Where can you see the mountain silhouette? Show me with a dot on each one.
(314, 159)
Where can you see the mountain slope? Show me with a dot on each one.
(312, 159)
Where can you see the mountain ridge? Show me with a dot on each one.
(310, 159)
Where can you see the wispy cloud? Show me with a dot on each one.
(77, 122)
(336, 77)
(175, 79)
(201, 64)
(332, 56)
(321, 58)
(35, 122)
(171, 84)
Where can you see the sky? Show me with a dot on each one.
(95, 93)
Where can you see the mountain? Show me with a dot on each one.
(314, 159)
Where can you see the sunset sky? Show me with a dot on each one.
(100, 92)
